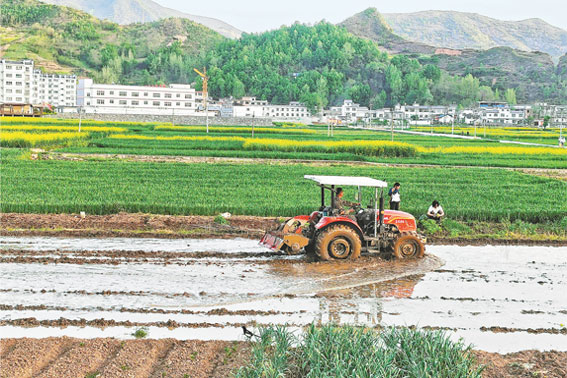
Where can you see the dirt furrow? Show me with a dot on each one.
(150, 255)
(234, 356)
(29, 357)
(137, 359)
(215, 311)
(188, 359)
(103, 323)
(6, 346)
(82, 359)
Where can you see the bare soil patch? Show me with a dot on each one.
(179, 226)
(526, 364)
(131, 225)
(66, 357)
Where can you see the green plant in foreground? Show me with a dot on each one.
(430, 226)
(219, 219)
(454, 228)
(332, 351)
(140, 333)
(94, 374)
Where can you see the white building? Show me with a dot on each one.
(294, 111)
(21, 82)
(251, 107)
(505, 115)
(175, 99)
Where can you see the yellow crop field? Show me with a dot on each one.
(62, 122)
(492, 131)
(228, 129)
(23, 139)
(503, 150)
(177, 137)
(361, 147)
(38, 128)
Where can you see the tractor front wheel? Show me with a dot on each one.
(408, 246)
(338, 242)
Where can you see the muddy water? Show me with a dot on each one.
(499, 298)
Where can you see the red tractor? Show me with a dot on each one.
(332, 235)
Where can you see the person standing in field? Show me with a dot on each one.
(395, 199)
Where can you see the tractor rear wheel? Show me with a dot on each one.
(338, 242)
(408, 246)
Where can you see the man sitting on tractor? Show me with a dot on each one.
(340, 203)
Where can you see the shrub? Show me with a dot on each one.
(430, 226)
(219, 219)
(140, 333)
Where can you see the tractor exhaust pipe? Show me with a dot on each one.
(382, 208)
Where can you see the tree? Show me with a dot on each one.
(361, 93)
(432, 73)
(510, 96)
(394, 83)
(238, 90)
(108, 53)
(378, 101)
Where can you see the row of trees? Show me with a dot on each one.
(319, 66)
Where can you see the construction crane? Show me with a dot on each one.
(205, 93)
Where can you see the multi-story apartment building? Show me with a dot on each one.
(21, 82)
(175, 99)
(293, 111)
(251, 107)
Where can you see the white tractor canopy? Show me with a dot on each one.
(347, 181)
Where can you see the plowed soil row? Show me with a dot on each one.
(131, 225)
(66, 357)
(176, 226)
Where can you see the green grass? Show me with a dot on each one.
(111, 186)
(332, 351)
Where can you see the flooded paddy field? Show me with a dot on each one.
(501, 299)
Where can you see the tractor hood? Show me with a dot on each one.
(404, 221)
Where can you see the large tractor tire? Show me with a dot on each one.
(338, 242)
(408, 246)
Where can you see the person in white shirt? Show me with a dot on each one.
(435, 211)
(395, 199)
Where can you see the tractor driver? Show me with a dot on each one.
(340, 203)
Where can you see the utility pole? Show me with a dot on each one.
(80, 110)
(392, 123)
(453, 123)
(205, 93)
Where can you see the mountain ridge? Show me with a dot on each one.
(462, 30)
(125, 12)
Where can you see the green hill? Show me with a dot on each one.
(131, 11)
(320, 65)
(62, 39)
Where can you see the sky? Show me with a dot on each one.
(257, 15)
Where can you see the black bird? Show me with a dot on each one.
(247, 333)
